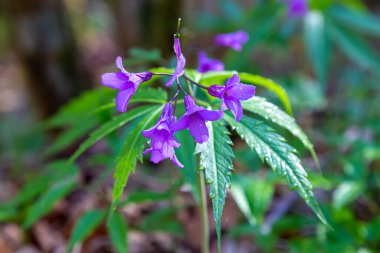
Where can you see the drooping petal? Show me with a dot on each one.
(119, 64)
(181, 124)
(118, 81)
(156, 156)
(211, 115)
(232, 80)
(235, 107)
(241, 91)
(122, 99)
(176, 162)
(234, 40)
(198, 129)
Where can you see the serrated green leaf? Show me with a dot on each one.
(86, 224)
(117, 231)
(273, 149)
(43, 205)
(110, 126)
(315, 38)
(272, 113)
(211, 78)
(131, 151)
(355, 47)
(216, 159)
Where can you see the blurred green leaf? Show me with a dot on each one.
(316, 43)
(359, 20)
(187, 158)
(85, 225)
(46, 202)
(347, 192)
(216, 159)
(110, 126)
(355, 47)
(281, 157)
(117, 230)
(131, 151)
(162, 220)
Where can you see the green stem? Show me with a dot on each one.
(203, 211)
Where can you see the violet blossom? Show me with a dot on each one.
(162, 138)
(297, 8)
(181, 61)
(231, 94)
(195, 120)
(127, 83)
(206, 64)
(234, 40)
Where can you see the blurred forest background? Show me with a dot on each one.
(51, 51)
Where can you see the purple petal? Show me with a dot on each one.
(206, 64)
(122, 99)
(181, 62)
(198, 128)
(211, 115)
(177, 46)
(149, 132)
(146, 151)
(297, 8)
(241, 91)
(181, 124)
(234, 40)
(235, 107)
(232, 80)
(176, 162)
(156, 156)
(118, 81)
(216, 90)
(119, 64)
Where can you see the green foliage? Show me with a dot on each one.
(117, 230)
(216, 159)
(131, 151)
(281, 157)
(273, 114)
(117, 122)
(85, 225)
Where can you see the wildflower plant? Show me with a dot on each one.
(215, 102)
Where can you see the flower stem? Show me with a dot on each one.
(194, 82)
(205, 245)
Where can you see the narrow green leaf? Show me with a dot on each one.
(211, 78)
(281, 157)
(131, 151)
(272, 113)
(86, 224)
(110, 126)
(43, 205)
(185, 155)
(359, 20)
(216, 159)
(316, 43)
(355, 47)
(149, 95)
(117, 231)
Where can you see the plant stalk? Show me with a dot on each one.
(205, 243)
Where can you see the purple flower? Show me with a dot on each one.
(297, 8)
(195, 120)
(231, 94)
(234, 40)
(127, 83)
(181, 61)
(207, 64)
(162, 138)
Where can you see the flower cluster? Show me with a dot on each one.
(161, 135)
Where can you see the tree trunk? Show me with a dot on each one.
(41, 36)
